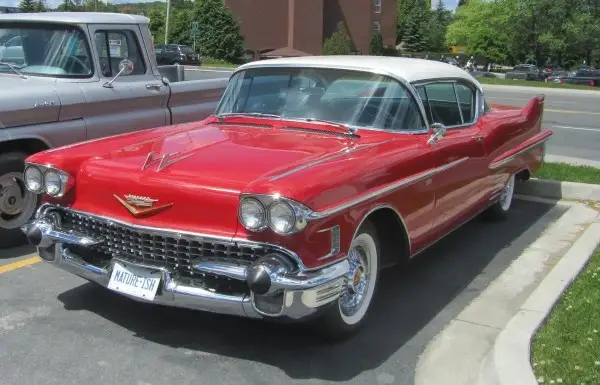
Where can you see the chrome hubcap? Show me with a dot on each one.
(17, 204)
(353, 297)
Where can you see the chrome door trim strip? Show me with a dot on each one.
(387, 189)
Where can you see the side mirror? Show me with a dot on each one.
(437, 132)
(125, 67)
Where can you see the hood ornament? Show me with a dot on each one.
(163, 161)
(139, 206)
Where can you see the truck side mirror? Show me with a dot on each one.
(125, 67)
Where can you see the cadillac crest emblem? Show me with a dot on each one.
(139, 205)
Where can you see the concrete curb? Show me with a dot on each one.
(508, 362)
(558, 190)
(460, 353)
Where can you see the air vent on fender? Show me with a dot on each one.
(258, 125)
(320, 132)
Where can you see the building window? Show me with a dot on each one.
(376, 27)
(377, 6)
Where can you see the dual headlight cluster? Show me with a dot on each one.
(284, 216)
(41, 179)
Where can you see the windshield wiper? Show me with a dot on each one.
(257, 114)
(14, 68)
(348, 128)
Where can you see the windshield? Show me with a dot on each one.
(353, 98)
(44, 50)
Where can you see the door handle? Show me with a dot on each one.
(153, 87)
(478, 138)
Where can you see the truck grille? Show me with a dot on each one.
(177, 253)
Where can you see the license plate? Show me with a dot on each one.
(136, 281)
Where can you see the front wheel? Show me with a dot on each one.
(501, 208)
(17, 204)
(348, 315)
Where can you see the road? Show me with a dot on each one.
(56, 328)
(575, 117)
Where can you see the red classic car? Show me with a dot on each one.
(312, 175)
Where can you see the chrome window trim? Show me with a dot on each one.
(472, 86)
(403, 82)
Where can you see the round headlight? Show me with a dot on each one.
(252, 213)
(52, 182)
(33, 179)
(281, 217)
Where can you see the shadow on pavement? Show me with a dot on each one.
(420, 299)
(16, 251)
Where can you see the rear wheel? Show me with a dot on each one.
(501, 208)
(348, 315)
(17, 204)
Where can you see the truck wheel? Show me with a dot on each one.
(500, 209)
(17, 204)
(348, 315)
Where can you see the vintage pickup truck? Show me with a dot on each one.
(69, 77)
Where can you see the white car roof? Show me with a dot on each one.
(410, 70)
(76, 18)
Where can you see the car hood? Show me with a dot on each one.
(199, 171)
(27, 101)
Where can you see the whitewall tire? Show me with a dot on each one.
(501, 208)
(350, 311)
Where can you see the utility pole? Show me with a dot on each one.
(167, 21)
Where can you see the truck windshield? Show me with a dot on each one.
(44, 50)
(351, 98)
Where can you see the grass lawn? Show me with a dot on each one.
(566, 348)
(568, 173)
(526, 83)
(210, 62)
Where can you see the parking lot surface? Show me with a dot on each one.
(56, 328)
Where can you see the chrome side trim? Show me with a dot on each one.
(512, 157)
(335, 241)
(389, 188)
(345, 151)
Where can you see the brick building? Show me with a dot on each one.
(297, 27)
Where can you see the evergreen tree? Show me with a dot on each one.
(40, 6)
(220, 36)
(338, 43)
(415, 36)
(27, 6)
(377, 44)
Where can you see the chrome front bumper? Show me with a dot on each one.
(273, 292)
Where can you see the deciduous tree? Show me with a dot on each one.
(338, 43)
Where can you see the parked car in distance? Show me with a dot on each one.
(312, 175)
(583, 76)
(176, 54)
(74, 76)
(526, 72)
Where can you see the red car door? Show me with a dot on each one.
(462, 186)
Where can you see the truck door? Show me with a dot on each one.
(136, 101)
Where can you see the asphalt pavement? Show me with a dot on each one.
(56, 328)
(574, 116)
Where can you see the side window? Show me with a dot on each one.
(400, 111)
(423, 97)
(116, 45)
(467, 101)
(443, 104)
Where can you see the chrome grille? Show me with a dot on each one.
(164, 249)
